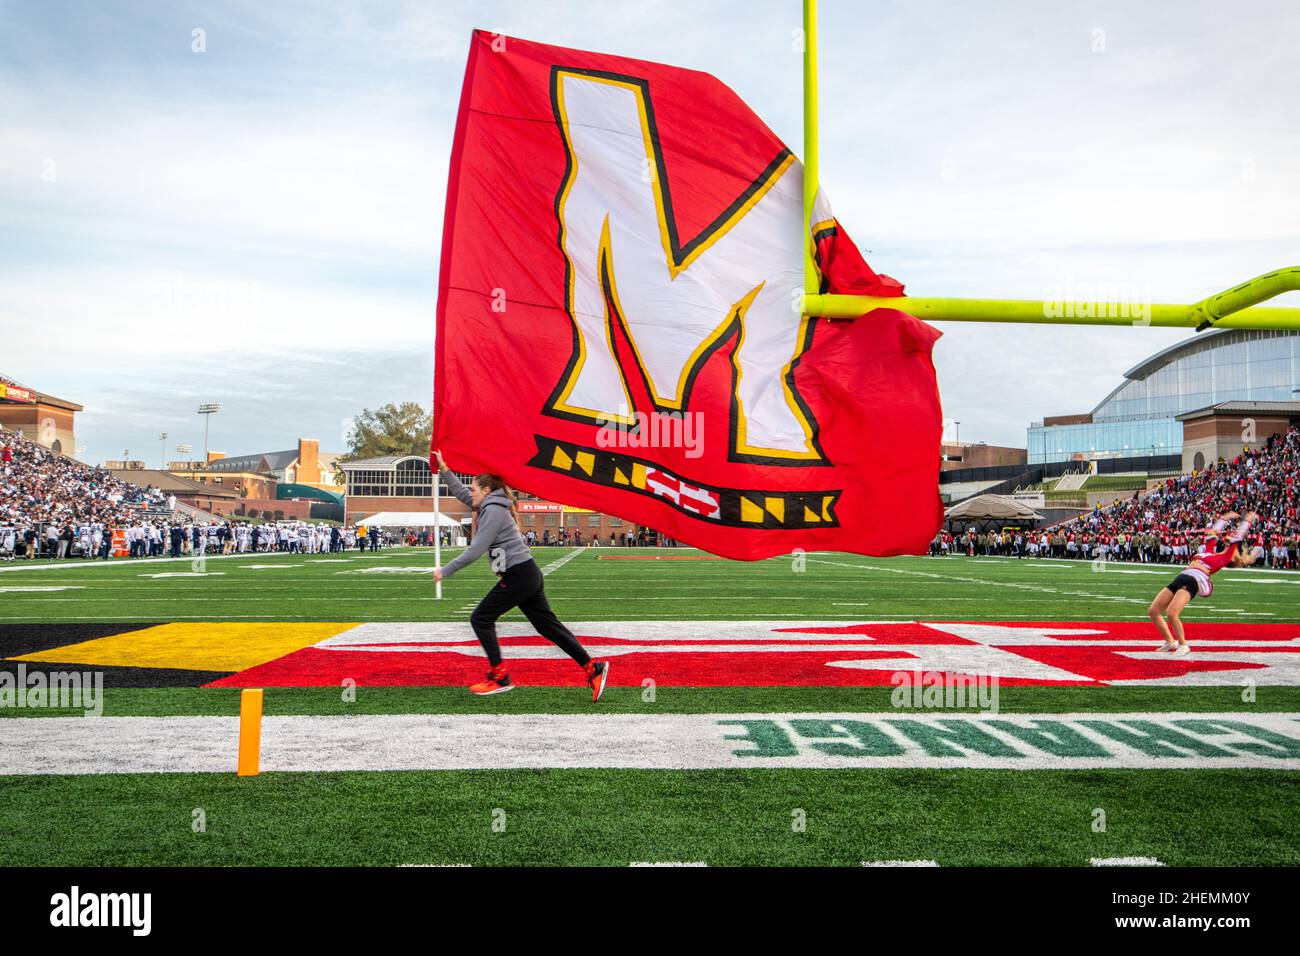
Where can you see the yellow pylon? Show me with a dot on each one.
(250, 733)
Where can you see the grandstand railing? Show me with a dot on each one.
(1006, 487)
(1151, 465)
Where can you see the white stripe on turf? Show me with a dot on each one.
(894, 739)
(561, 562)
(984, 582)
(670, 863)
(1125, 861)
(77, 564)
(899, 863)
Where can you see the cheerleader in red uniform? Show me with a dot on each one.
(1194, 580)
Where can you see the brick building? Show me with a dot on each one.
(259, 475)
(404, 483)
(955, 455)
(214, 499)
(1226, 429)
(41, 418)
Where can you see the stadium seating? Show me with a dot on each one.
(1262, 480)
(40, 488)
(1166, 524)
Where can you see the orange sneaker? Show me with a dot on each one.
(597, 675)
(498, 682)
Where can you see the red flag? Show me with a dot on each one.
(618, 322)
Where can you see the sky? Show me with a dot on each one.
(258, 222)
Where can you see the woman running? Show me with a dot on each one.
(496, 532)
(1194, 580)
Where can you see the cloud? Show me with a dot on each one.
(260, 223)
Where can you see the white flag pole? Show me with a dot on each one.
(437, 528)
(437, 498)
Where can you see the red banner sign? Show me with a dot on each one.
(15, 393)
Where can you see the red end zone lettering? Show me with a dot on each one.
(756, 653)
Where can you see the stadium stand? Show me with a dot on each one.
(1165, 524)
(41, 487)
(56, 507)
(1144, 527)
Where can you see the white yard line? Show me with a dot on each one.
(986, 582)
(65, 587)
(899, 863)
(561, 562)
(670, 863)
(1084, 562)
(1125, 861)
(78, 564)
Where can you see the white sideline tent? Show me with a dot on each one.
(410, 519)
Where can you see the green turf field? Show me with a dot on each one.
(615, 816)
(600, 584)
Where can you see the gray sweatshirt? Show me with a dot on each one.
(497, 535)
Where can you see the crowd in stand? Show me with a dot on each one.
(1166, 525)
(55, 508)
(38, 486)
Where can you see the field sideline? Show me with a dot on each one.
(602, 584)
(1193, 760)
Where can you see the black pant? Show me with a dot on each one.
(521, 586)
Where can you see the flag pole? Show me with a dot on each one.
(811, 280)
(437, 528)
(1230, 309)
(437, 489)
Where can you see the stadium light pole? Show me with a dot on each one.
(162, 455)
(1231, 309)
(207, 410)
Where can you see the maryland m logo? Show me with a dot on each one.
(676, 302)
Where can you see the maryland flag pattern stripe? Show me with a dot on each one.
(721, 506)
